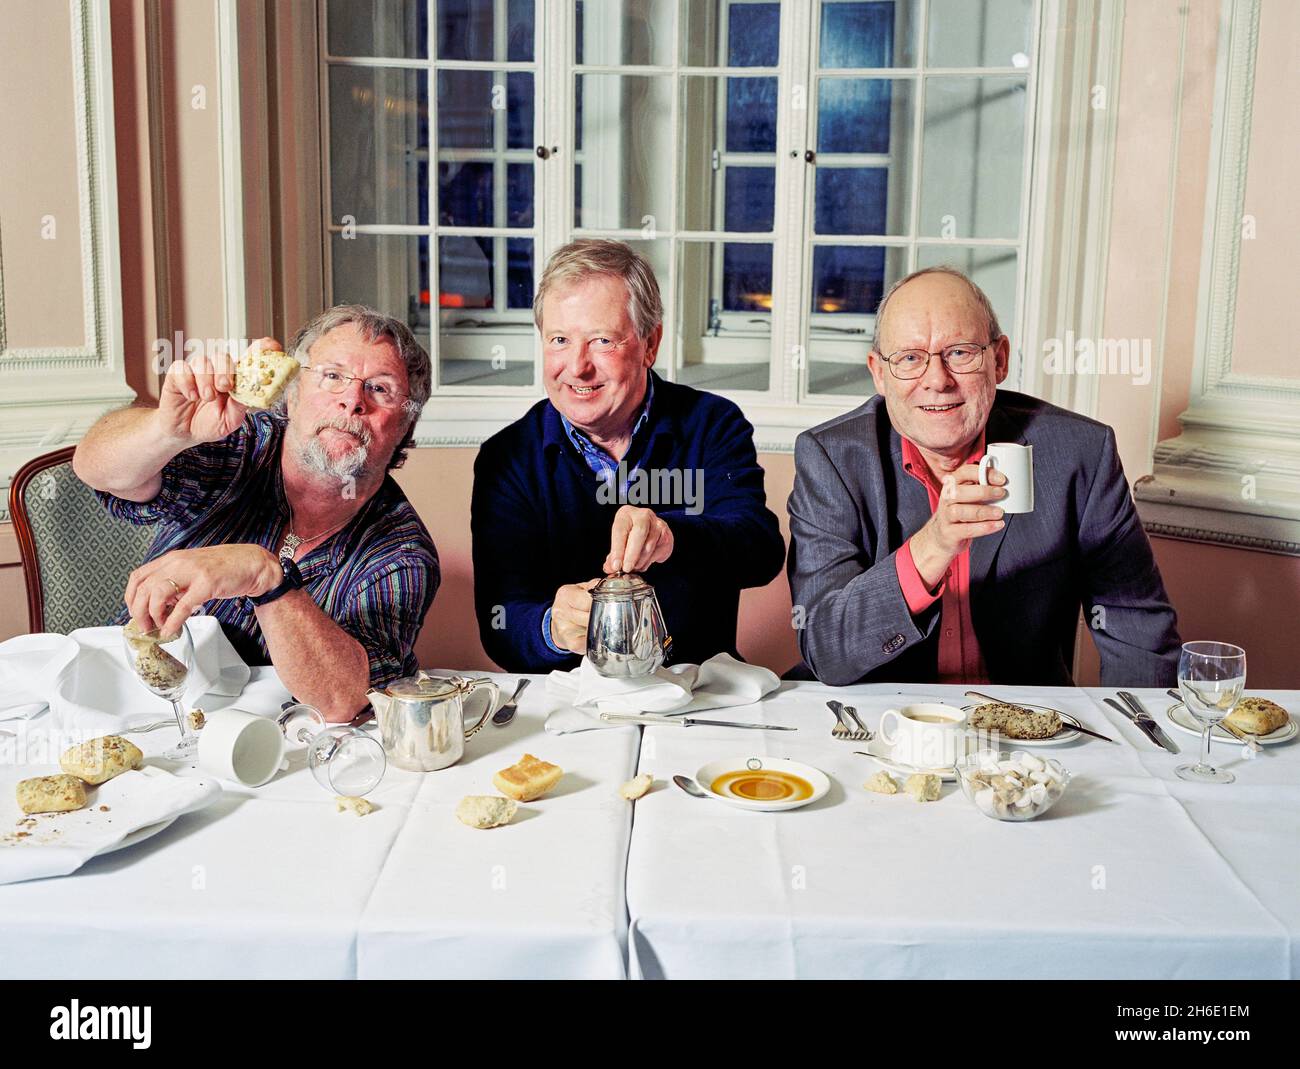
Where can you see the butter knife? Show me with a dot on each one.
(685, 722)
(1144, 718)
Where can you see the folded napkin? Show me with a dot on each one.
(85, 681)
(719, 682)
(56, 844)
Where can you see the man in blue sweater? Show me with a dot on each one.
(617, 470)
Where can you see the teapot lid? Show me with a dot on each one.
(622, 585)
(421, 686)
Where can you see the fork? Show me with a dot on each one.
(841, 730)
(863, 734)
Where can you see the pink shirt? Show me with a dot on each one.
(960, 660)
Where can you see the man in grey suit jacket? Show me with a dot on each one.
(902, 565)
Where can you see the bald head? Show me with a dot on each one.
(941, 290)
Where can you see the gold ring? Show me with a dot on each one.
(175, 585)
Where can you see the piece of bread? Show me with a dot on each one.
(528, 779)
(923, 786)
(51, 794)
(485, 810)
(1257, 716)
(1014, 721)
(99, 760)
(157, 668)
(141, 639)
(882, 783)
(360, 806)
(636, 786)
(261, 377)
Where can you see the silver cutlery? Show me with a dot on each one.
(1066, 718)
(690, 786)
(686, 722)
(843, 730)
(506, 713)
(1252, 743)
(1124, 711)
(141, 729)
(867, 734)
(1144, 719)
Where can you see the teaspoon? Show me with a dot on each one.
(690, 786)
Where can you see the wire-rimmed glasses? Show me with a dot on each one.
(961, 358)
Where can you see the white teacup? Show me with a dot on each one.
(930, 735)
(1016, 462)
(238, 746)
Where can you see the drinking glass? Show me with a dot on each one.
(1211, 677)
(343, 759)
(163, 667)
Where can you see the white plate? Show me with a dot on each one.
(1067, 733)
(878, 751)
(1180, 718)
(821, 783)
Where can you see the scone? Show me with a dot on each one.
(99, 760)
(882, 783)
(261, 377)
(1257, 716)
(637, 786)
(51, 794)
(923, 786)
(530, 778)
(485, 810)
(1014, 721)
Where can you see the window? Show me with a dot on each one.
(779, 163)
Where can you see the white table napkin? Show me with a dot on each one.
(84, 679)
(719, 682)
(59, 843)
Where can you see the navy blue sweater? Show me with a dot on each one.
(538, 523)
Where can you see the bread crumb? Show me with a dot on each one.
(637, 786)
(359, 806)
(882, 783)
(923, 786)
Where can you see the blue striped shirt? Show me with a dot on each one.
(376, 578)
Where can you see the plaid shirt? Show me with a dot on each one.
(375, 578)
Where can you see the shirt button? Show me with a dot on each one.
(948, 632)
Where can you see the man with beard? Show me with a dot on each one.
(285, 524)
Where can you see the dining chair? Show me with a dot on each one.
(75, 556)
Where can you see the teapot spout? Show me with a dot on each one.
(381, 703)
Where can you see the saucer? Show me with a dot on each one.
(1180, 718)
(879, 752)
(815, 777)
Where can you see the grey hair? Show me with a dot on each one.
(374, 325)
(981, 299)
(599, 256)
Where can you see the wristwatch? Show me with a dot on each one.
(292, 581)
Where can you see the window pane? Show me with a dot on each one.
(718, 193)
(754, 35)
(869, 33)
(466, 30)
(486, 336)
(626, 150)
(465, 194)
(864, 115)
(972, 163)
(848, 282)
(378, 145)
(378, 28)
(465, 272)
(750, 199)
(751, 115)
(520, 31)
(465, 112)
(519, 110)
(856, 200)
(632, 32)
(724, 315)
(519, 273)
(992, 33)
(519, 194)
(386, 271)
(993, 270)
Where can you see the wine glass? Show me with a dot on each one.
(163, 667)
(1211, 677)
(343, 759)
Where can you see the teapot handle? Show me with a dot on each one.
(491, 691)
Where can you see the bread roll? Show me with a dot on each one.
(99, 760)
(485, 810)
(1257, 716)
(530, 778)
(51, 794)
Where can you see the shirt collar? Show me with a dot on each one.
(914, 462)
(584, 445)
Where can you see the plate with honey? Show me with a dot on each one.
(766, 784)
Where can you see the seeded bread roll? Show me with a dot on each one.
(1014, 721)
(99, 760)
(51, 794)
(1257, 716)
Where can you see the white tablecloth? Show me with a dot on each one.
(274, 882)
(1134, 873)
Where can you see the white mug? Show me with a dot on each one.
(1016, 462)
(925, 736)
(241, 747)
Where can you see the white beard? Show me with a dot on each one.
(317, 460)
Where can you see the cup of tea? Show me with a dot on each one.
(929, 735)
(1016, 462)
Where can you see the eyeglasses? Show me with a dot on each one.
(381, 392)
(961, 359)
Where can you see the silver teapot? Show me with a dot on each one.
(626, 636)
(422, 718)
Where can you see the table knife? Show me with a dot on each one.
(1144, 718)
(686, 722)
(1127, 715)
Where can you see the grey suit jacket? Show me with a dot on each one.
(853, 507)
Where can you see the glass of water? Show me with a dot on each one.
(1211, 677)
